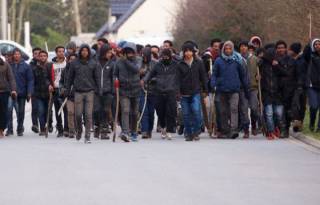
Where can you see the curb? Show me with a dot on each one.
(305, 139)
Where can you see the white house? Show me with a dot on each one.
(147, 21)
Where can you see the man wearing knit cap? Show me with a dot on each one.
(192, 80)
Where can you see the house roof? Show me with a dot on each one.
(120, 7)
(113, 28)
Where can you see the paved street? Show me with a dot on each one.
(55, 171)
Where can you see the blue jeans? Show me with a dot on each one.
(19, 106)
(147, 120)
(272, 111)
(191, 109)
(314, 103)
(43, 112)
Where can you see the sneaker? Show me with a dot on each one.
(105, 136)
(246, 134)
(284, 134)
(163, 133)
(60, 134)
(9, 133)
(144, 135)
(270, 136)
(254, 132)
(180, 130)
(78, 137)
(196, 137)
(96, 132)
(234, 135)
(66, 133)
(134, 137)
(277, 133)
(125, 138)
(87, 140)
(169, 136)
(35, 129)
(20, 134)
(189, 138)
(50, 129)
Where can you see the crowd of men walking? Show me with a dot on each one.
(225, 90)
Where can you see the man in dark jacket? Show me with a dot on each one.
(43, 84)
(271, 94)
(288, 82)
(147, 119)
(127, 72)
(24, 79)
(299, 102)
(164, 74)
(313, 84)
(227, 79)
(70, 96)
(7, 87)
(34, 107)
(84, 78)
(103, 99)
(192, 80)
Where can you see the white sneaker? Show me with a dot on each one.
(169, 136)
(163, 133)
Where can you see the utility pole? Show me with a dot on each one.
(4, 19)
(75, 5)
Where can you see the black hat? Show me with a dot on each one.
(296, 47)
(189, 46)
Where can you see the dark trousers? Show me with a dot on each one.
(166, 107)
(229, 112)
(19, 106)
(3, 110)
(57, 102)
(102, 109)
(147, 120)
(314, 103)
(42, 111)
(34, 112)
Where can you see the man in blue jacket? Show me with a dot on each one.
(24, 79)
(227, 79)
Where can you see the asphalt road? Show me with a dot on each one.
(34, 170)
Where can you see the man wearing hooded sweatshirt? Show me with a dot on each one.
(84, 79)
(272, 98)
(165, 75)
(7, 87)
(147, 120)
(313, 84)
(227, 79)
(127, 72)
(299, 101)
(24, 79)
(59, 65)
(192, 80)
(103, 99)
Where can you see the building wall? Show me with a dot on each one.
(152, 20)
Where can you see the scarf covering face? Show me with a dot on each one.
(235, 56)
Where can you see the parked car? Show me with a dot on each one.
(6, 46)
